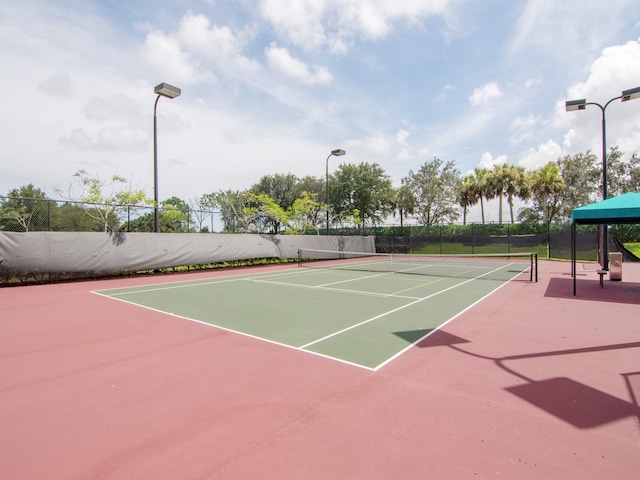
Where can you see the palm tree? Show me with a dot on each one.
(496, 181)
(545, 182)
(469, 195)
(403, 202)
(516, 185)
(479, 176)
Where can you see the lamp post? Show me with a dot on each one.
(573, 105)
(169, 91)
(334, 153)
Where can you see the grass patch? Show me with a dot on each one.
(633, 248)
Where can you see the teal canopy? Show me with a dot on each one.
(621, 209)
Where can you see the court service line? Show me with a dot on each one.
(400, 308)
(190, 283)
(149, 288)
(328, 289)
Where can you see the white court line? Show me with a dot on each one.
(329, 289)
(237, 332)
(190, 283)
(400, 308)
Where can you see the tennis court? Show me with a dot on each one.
(531, 382)
(359, 308)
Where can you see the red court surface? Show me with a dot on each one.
(532, 383)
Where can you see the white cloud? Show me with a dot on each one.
(568, 139)
(115, 107)
(78, 139)
(488, 161)
(57, 85)
(246, 68)
(313, 24)
(401, 136)
(444, 93)
(537, 157)
(192, 53)
(568, 31)
(377, 145)
(281, 60)
(617, 69)
(485, 93)
(423, 152)
(164, 55)
(523, 128)
(404, 155)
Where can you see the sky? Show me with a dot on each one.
(273, 86)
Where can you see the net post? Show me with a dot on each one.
(534, 266)
(299, 257)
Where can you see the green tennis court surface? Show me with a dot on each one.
(364, 318)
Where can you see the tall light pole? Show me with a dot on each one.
(169, 91)
(572, 105)
(334, 153)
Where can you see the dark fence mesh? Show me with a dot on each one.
(45, 215)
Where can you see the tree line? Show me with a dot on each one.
(359, 195)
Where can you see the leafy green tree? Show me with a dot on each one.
(283, 190)
(104, 200)
(231, 204)
(25, 209)
(363, 192)
(262, 210)
(307, 213)
(582, 178)
(314, 186)
(435, 187)
(174, 216)
(622, 176)
(547, 186)
(280, 187)
(632, 183)
(70, 217)
(403, 202)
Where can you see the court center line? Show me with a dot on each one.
(399, 308)
(328, 289)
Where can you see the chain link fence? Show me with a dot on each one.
(19, 214)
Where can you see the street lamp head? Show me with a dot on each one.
(573, 105)
(630, 94)
(167, 90)
(338, 153)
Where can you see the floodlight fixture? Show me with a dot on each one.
(337, 153)
(573, 105)
(630, 94)
(167, 90)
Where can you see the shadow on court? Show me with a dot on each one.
(569, 400)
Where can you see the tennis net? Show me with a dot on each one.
(495, 266)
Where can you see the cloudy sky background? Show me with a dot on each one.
(272, 86)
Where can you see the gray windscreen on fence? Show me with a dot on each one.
(88, 254)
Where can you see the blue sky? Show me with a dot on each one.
(272, 86)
